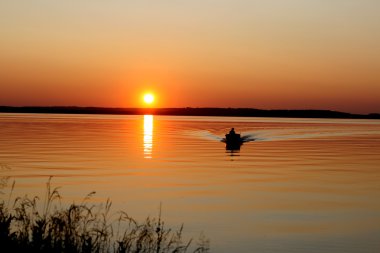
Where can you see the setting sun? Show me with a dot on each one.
(148, 98)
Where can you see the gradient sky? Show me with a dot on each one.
(268, 54)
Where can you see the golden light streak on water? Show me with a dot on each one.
(148, 136)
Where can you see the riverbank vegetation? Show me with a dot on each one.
(34, 225)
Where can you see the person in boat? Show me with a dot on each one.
(232, 132)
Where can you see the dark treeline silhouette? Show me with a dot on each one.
(189, 111)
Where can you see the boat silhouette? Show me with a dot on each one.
(233, 140)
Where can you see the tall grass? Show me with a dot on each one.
(25, 226)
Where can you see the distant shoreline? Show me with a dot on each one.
(190, 111)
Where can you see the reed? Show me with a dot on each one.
(25, 226)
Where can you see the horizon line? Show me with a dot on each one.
(152, 109)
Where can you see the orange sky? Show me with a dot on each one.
(294, 54)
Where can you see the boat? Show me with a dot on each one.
(233, 141)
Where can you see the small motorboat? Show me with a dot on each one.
(233, 141)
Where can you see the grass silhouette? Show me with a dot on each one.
(27, 227)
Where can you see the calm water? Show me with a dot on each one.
(304, 185)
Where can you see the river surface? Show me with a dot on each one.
(301, 185)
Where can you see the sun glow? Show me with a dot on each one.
(149, 98)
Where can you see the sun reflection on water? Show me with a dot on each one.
(148, 136)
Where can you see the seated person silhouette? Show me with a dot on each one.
(232, 131)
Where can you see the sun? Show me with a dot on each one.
(148, 98)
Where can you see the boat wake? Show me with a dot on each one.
(295, 134)
(278, 135)
(204, 134)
